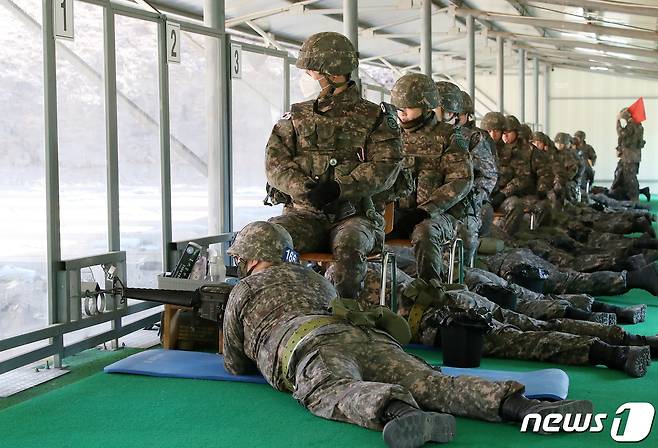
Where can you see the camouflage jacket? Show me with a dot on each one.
(588, 152)
(543, 170)
(582, 163)
(483, 155)
(264, 310)
(630, 141)
(343, 138)
(441, 168)
(566, 166)
(515, 174)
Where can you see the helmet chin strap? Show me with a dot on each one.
(333, 85)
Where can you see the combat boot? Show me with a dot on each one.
(410, 427)
(645, 278)
(625, 314)
(632, 360)
(639, 340)
(516, 407)
(646, 193)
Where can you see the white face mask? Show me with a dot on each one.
(450, 118)
(623, 122)
(310, 87)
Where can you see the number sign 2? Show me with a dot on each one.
(63, 13)
(173, 42)
(236, 61)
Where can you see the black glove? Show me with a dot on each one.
(322, 193)
(409, 220)
(497, 198)
(541, 194)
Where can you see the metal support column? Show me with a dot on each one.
(500, 70)
(547, 100)
(521, 116)
(535, 93)
(470, 56)
(111, 146)
(165, 142)
(218, 103)
(54, 250)
(351, 27)
(111, 140)
(286, 84)
(426, 38)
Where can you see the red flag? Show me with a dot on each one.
(637, 111)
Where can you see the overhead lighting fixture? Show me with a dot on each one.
(619, 55)
(615, 39)
(598, 68)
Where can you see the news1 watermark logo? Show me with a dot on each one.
(632, 422)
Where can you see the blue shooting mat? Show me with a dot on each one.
(551, 384)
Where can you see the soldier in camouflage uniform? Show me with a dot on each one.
(277, 321)
(516, 336)
(328, 157)
(442, 171)
(567, 178)
(630, 141)
(600, 283)
(590, 156)
(485, 175)
(524, 179)
(494, 124)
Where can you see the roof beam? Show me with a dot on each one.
(267, 37)
(560, 24)
(269, 12)
(570, 43)
(608, 61)
(603, 5)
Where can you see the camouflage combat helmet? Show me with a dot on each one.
(512, 123)
(493, 121)
(580, 135)
(450, 97)
(525, 132)
(468, 103)
(328, 53)
(540, 136)
(562, 137)
(263, 240)
(415, 90)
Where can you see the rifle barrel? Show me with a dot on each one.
(166, 296)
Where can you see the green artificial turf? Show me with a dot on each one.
(103, 410)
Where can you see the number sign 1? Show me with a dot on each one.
(173, 42)
(236, 61)
(63, 12)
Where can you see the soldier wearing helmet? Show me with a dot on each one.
(590, 157)
(328, 157)
(451, 102)
(441, 168)
(485, 174)
(570, 168)
(630, 141)
(525, 181)
(277, 321)
(494, 124)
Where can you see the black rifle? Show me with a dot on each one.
(209, 301)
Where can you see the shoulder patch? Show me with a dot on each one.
(390, 116)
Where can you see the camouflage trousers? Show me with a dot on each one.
(625, 185)
(602, 283)
(351, 376)
(517, 336)
(530, 303)
(350, 241)
(426, 240)
(516, 207)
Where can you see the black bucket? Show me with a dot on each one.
(461, 344)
